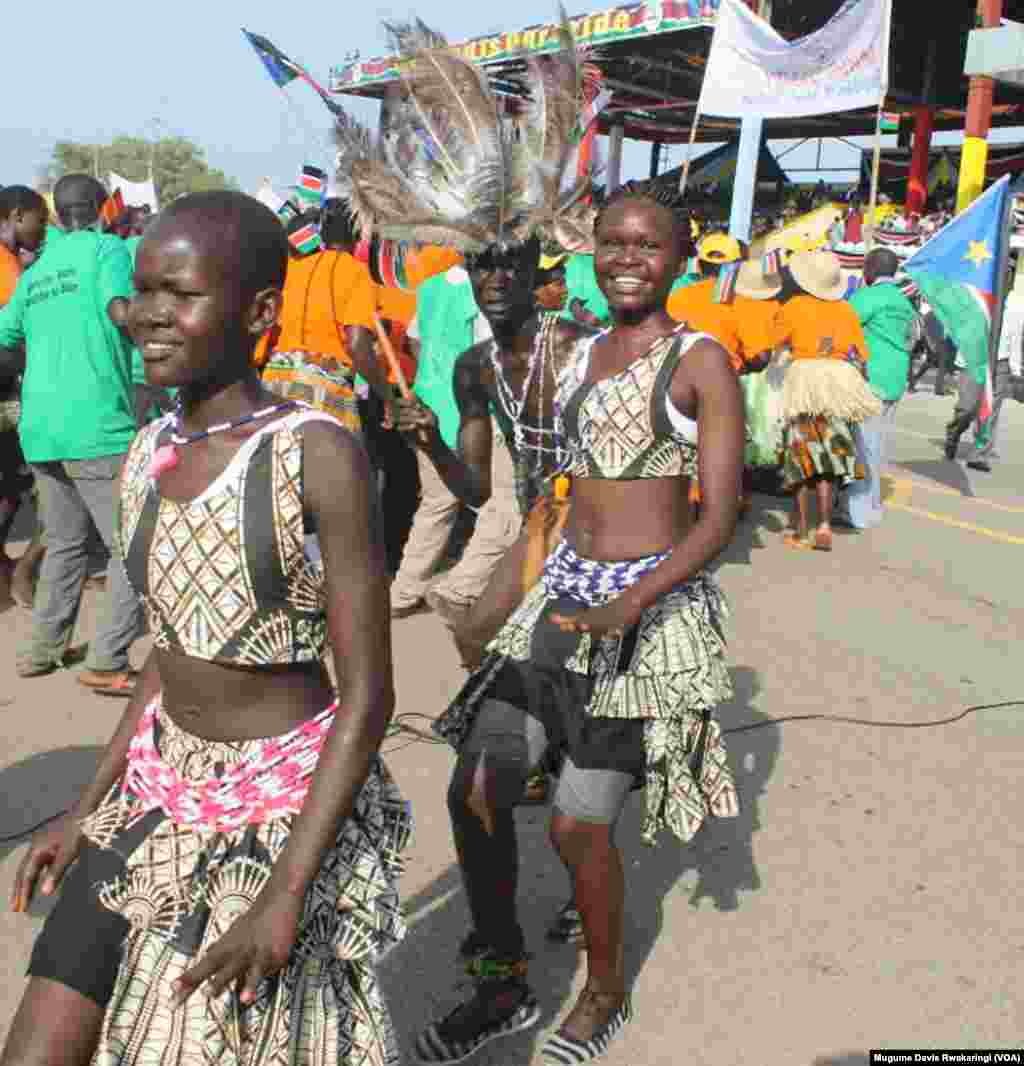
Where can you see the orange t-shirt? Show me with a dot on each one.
(744, 327)
(428, 261)
(324, 293)
(695, 305)
(821, 329)
(10, 271)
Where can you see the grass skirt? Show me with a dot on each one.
(671, 672)
(830, 387)
(182, 886)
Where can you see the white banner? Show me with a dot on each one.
(134, 193)
(752, 70)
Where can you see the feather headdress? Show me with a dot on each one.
(452, 166)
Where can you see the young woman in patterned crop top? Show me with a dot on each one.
(238, 851)
(616, 657)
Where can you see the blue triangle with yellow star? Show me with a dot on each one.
(968, 249)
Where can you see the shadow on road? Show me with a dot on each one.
(719, 865)
(762, 519)
(40, 786)
(941, 471)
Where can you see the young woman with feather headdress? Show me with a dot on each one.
(616, 657)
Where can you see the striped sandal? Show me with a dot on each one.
(482, 1018)
(565, 1050)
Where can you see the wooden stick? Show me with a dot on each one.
(392, 360)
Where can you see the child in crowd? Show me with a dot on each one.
(241, 838)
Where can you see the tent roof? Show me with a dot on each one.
(653, 52)
(720, 164)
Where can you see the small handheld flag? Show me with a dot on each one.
(306, 239)
(311, 187)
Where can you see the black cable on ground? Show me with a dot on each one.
(399, 726)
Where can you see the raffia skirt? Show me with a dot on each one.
(823, 399)
(182, 883)
(670, 671)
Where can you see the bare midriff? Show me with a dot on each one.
(217, 701)
(613, 520)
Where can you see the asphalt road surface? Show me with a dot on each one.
(866, 897)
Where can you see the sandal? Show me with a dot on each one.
(118, 683)
(823, 540)
(566, 1050)
(794, 540)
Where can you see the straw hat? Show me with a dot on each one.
(818, 273)
(720, 248)
(753, 282)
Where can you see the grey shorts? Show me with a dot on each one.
(511, 737)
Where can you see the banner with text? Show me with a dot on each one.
(752, 70)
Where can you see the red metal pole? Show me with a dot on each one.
(917, 185)
(979, 120)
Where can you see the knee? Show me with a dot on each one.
(577, 841)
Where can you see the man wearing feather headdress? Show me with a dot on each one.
(452, 169)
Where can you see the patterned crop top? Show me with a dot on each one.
(626, 427)
(231, 575)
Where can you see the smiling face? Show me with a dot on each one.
(503, 283)
(191, 318)
(638, 254)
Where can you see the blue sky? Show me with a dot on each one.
(194, 74)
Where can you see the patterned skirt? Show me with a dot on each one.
(190, 866)
(316, 379)
(818, 446)
(669, 670)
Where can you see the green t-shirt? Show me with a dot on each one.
(581, 281)
(138, 367)
(886, 316)
(446, 314)
(76, 395)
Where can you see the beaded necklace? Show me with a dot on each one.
(166, 456)
(515, 407)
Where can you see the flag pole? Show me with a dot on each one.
(685, 177)
(876, 162)
(1002, 271)
(310, 131)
